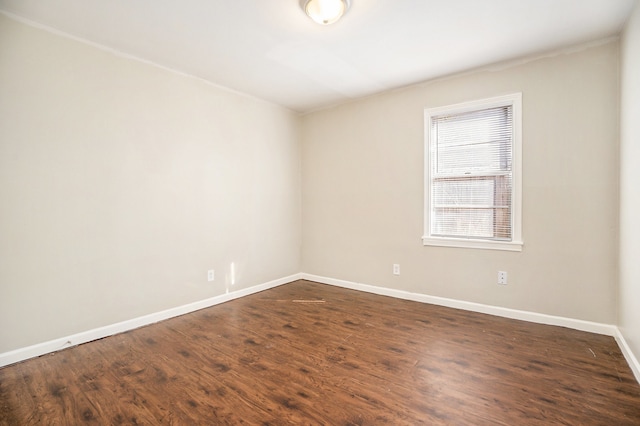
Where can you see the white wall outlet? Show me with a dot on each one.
(502, 277)
(396, 269)
(211, 275)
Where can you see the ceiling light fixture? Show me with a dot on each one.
(325, 12)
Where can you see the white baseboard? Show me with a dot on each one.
(22, 354)
(592, 327)
(628, 355)
(39, 349)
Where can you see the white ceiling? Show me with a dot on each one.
(270, 49)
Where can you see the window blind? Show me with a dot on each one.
(471, 174)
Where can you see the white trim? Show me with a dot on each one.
(489, 68)
(33, 351)
(592, 327)
(132, 57)
(515, 101)
(468, 243)
(628, 354)
(54, 345)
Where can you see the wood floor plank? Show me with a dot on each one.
(307, 353)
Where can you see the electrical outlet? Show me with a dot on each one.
(502, 277)
(396, 269)
(211, 275)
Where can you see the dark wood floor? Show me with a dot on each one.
(307, 353)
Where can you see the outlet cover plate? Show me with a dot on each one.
(396, 269)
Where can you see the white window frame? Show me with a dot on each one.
(515, 101)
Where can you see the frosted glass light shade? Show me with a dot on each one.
(325, 12)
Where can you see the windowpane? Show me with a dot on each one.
(474, 207)
(463, 223)
(471, 173)
(464, 191)
(473, 141)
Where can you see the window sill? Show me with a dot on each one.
(477, 244)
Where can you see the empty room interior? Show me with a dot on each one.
(320, 212)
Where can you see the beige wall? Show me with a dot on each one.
(629, 320)
(362, 183)
(121, 184)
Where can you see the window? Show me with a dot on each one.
(473, 174)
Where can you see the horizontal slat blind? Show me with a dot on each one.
(471, 174)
